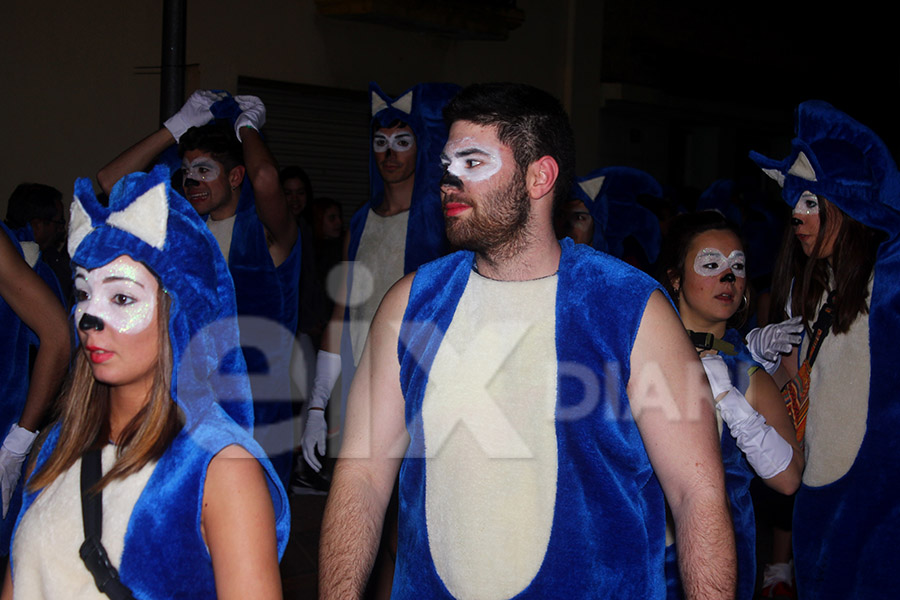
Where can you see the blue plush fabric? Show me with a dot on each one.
(738, 475)
(608, 531)
(164, 554)
(845, 533)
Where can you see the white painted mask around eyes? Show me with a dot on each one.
(200, 169)
(710, 262)
(471, 161)
(399, 141)
(122, 293)
(808, 204)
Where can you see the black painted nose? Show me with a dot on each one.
(726, 278)
(796, 222)
(89, 322)
(451, 180)
(189, 183)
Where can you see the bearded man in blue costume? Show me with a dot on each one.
(230, 176)
(538, 399)
(398, 230)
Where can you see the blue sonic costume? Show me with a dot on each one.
(610, 194)
(420, 108)
(738, 475)
(846, 525)
(163, 554)
(592, 509)
(16, 345)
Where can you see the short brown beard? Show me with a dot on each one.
(502, 230)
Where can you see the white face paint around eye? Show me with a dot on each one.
(399, 141)
(808, 204)
(471, 161)
(710, 262)
(201, 168)
(122, 293)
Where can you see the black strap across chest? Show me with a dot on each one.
(92, 551)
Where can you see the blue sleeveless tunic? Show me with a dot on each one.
(608, 529)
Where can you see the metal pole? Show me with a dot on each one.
(171, 88)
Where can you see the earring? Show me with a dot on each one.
(744, 302)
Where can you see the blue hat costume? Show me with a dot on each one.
(845, 532)
(618, 193)
(150, 223)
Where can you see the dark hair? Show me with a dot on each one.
(852, 262)
(529, 120)
(216, 138)
(681, 233)
(319, 207)
(295, 172)
(32, 201)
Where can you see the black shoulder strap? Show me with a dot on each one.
(820, 329)
(92, 551)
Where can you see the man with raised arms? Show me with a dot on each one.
(256, 234)
(526, 474)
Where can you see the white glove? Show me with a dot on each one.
(767, 452)
(717, 373)
(328, 369)
(15, 448)
(768, 343)
(195, 112)
(253, 114)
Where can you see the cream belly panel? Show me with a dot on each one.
(838, 403)
(47, 563)
(379, 264)
(490, 438)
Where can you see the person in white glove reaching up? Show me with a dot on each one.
(255, 231)
(703, 267)
(30, 313)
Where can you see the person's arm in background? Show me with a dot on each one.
(672, 407)
(38, 308)
(328, 369)
(262, 170)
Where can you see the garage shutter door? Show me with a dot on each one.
(323, 130)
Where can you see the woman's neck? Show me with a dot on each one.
(124, 403)
(691, 323)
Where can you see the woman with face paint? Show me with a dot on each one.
(158, 400)
(703, 268)
(838, 273)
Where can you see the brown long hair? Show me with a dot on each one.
(83, 416)
(852, 262)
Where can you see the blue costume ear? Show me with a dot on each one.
(149, 222)
(839, 158)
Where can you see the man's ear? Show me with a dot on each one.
(236, 176)
(541, 177)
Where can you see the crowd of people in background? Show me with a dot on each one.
(462, 472)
